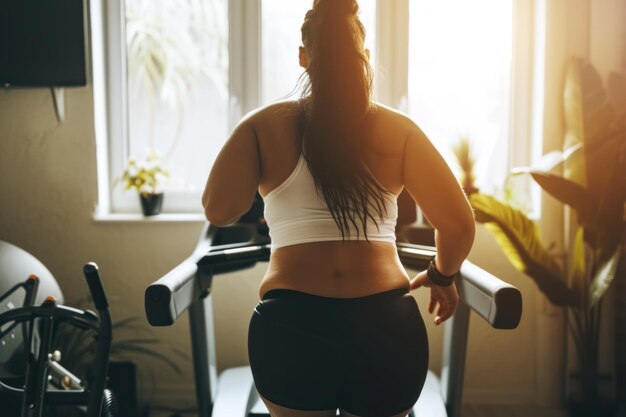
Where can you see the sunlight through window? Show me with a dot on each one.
(281, 37)
(177, 70)
(460, 56)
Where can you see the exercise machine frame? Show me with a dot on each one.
(219, 250)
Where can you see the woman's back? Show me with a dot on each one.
(331, 268)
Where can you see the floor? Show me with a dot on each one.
(468, 410)
(471, 410)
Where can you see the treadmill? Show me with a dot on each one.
(219, 250)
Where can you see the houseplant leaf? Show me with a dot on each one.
(567, 192)
(603, 278)
(551, 160)
(574, 122)
(519, 239)
(611, 205)
(579, 267)
(595, 119)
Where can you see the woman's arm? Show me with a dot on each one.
(434, 188)
(234, 178)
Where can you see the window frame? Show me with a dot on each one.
(111, 105)
(391, 86)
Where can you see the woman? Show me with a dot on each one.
(336, 327)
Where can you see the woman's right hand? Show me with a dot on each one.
(446, 297)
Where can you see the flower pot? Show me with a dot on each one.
(151, 203)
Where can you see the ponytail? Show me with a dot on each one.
(337, 105)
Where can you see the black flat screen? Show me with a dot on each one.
(42, 43)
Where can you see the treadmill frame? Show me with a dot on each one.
(188, 287)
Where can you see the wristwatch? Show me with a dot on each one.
(438, 278)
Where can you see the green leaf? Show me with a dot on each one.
(519, 239)
(594, 118)
(578, 269)
(604, 277)
(611, 204)
(573, 103)
(567, 192)
(551, 160)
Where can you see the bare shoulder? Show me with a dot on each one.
(394, 127)
(396, 118)
(267, 115)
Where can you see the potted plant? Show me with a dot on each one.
(593, 184)
(147, 177)
(466, 162)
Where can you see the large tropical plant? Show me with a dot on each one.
(593, 184)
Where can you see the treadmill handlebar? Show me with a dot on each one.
(499, 303)
(178, 277)
(162, 298)
(168, 298)
(496, 301)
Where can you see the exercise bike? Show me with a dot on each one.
(30, 370)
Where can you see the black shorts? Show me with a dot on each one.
(366, 355)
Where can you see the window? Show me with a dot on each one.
(177, 71)
(177, 75)
(280, 32)
(460, 68)
(175, 88)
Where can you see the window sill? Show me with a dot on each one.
(140, 218)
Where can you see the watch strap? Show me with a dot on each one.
(438, 278)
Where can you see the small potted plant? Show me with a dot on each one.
(147, 177)
(466, 161)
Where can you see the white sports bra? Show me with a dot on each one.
(295, 214)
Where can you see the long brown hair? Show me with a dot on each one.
(337, 102)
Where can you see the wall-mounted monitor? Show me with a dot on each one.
(42, 43)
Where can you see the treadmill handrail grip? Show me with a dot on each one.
(496, 301)
(163, 299)
(169, 297)
(179, 276)
(481, 278)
